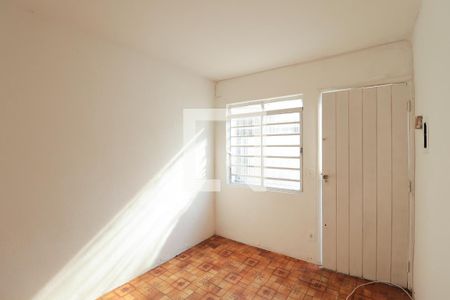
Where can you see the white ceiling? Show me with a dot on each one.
(226, 38)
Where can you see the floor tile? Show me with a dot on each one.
(220, 268)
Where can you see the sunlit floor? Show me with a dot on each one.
(219, 268)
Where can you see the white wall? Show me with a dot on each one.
(432, 73)
(87, 129)
(282, 222)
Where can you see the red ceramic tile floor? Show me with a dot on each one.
(219, 268)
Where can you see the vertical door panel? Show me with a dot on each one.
(384, 183)
(400, 186)
(355, 184)
(369, 183)
(329, 188)
(342, 181)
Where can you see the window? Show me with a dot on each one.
(264, 143)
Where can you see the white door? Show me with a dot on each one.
(366, 182)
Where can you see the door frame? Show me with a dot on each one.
(411, 162)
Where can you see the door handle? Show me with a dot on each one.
(325, 177)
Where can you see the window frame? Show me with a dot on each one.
(261, 156)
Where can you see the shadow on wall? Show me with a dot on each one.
(131, 243)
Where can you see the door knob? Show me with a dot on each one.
(325, 177)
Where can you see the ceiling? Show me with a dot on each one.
(221, 39)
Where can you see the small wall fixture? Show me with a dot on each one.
(419, 122)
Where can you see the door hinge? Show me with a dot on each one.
(408, 106)
(410, 186)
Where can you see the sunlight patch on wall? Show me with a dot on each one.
(131, 243)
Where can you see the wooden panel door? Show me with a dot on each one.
(365, 189)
